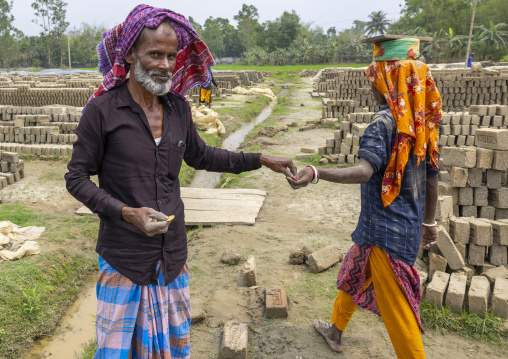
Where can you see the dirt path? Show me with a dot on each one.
(319, 215)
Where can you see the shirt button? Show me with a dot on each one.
(159, 201)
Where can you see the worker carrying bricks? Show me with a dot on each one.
(134, 134)
(397, 171)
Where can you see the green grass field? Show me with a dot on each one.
(239, 66)
(286, 68)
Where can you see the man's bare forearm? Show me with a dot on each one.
(358, 174)
(429, 213)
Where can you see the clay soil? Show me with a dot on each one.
(317, 216)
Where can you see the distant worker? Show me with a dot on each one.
(423, 58)
(470, 60)
(399, 156)
(206, 91)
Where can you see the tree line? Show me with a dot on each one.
(285, 40)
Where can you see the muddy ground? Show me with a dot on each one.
(319, 215)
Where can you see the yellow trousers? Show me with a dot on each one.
(393, 305)
(206, 95)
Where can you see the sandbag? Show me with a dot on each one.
(255, 91)
(206, 119)
(16, 242)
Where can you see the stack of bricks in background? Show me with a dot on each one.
(459, 128)
(228, 80)
(456, 129)
(43, 90)
(36, 123)
(346, 141)
(12, 168)
(38, 130)
(459, 89)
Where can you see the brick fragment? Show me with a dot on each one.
(324, 259)
(250, 272)
(235, 340)
(276, 303)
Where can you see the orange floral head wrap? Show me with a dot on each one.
(415, 103)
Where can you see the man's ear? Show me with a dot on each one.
(131, 57)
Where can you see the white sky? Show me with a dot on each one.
(326, 13)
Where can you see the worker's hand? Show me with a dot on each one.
(279, 164)
(144, 217)
(429, 237)
(303, 178)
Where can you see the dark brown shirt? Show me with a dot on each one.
(115, 142)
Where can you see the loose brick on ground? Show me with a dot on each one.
(276, 303)
(500, 298)
(478, 295)
(450, 252)
(456, 292)
(437, 288)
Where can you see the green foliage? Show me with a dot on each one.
(378, 23)
(50, 16)
(486, 329)
(89, 350)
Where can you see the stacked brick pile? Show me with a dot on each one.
(476, 179)
(472, 246)
(459, 128)
(459, 88)
(228, 80)
(12, 168)
(43, 90)
(46, 131)
(346, 141)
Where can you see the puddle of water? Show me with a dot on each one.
(76, 329)
(204, 179)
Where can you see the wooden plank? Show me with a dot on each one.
(205, 206)
(215, 192)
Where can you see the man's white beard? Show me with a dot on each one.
(144, 77)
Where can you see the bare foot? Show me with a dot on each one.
(332, 335)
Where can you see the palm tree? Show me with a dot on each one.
(378, 23)
(493, 36)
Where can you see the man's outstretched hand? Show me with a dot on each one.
(429, 237)
(279, 164)
(144, 217)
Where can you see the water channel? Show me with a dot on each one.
(78, 325)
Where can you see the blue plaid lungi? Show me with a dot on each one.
(142, 321)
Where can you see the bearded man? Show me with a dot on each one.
(134, 133)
